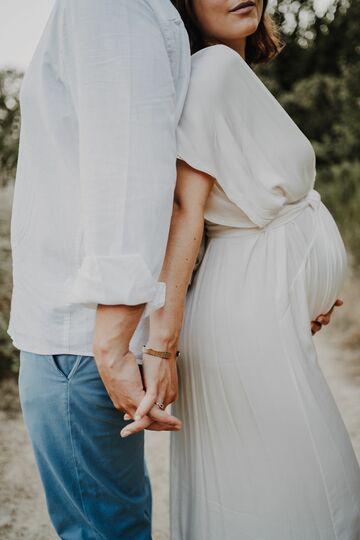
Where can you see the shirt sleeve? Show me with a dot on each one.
(123, 92)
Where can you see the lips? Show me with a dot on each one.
(243, 5)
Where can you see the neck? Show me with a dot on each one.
(238, 45)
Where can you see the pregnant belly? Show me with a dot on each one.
(326, 264)
(247, 278)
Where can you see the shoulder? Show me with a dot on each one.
(217, 73)
(215, 63)
(213, 94)
(221, 54)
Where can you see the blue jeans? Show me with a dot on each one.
(96, 483)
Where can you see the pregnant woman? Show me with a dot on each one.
(263, 453)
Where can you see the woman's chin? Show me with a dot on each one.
(246, 27)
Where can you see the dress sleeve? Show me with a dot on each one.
(233, 129)
(123, 92)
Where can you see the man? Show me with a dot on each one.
(100, 103)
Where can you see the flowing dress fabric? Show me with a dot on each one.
(263, 453)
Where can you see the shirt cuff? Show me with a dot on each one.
(114, 280)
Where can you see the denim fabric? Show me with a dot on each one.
(96, 483)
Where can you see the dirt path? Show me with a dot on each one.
(342, 371)
(22, 507)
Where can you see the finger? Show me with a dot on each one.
(161, 400)
(316, 324)
(338, 303)
(146, 403)
(327, 315)
(315, 327)
(127, 416)
(135, 427)
(162, 416)
(147, 422)
(157, 426)
(161, 426)
(326, 319)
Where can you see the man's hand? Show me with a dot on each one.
(118, 367)
(324, 319)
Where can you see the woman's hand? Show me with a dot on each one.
(324, 319)
(160, 380)
(159, 376)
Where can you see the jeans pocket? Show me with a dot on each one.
(65, 364)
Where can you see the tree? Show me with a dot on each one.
(316, 78)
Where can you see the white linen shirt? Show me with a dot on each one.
(100, 103)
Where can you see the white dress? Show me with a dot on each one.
(263, 453)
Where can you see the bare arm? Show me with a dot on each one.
(160, 376)
(192, 191)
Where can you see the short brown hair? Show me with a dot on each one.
(261, 46)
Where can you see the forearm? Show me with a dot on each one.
(183, 246)
(114, 328)
(186, 230)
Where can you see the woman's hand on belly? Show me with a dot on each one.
(321, 320)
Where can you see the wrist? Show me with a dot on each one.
(163, 341)
(114, 328)
(165, 329)
(106, 349)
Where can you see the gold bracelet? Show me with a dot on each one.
(161, 354)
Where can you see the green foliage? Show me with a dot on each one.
(302, 20)
(327, 108)
(9, 359)
(9, 123)
(316, 79)
(339, 185)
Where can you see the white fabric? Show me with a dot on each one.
(100, 103)
(258, 173)
(263, 453)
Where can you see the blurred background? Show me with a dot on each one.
(317, 80)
